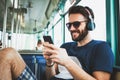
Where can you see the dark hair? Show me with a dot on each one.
(85, 11)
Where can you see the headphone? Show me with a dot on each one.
(90, 24)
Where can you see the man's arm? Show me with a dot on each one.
(100, 75)
(51, 70)
(79, 74)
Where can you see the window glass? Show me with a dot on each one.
(58, 34)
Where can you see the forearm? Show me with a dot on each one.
(50, 71)
(77, 72)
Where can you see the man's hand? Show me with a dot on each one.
(54, 54)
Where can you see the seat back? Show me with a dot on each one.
(116, 73)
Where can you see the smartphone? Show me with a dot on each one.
(48, 39)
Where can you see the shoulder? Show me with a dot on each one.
(100, 43)
(103, 48)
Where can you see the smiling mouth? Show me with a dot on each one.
(74, 33)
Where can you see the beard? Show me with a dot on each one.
(81, 35)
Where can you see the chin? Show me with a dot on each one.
(74, 38)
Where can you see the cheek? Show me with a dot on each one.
(82, 27)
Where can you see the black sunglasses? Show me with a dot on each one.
(75, 24)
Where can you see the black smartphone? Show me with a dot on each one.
(48, 39)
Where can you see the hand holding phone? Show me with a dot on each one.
(48, 39)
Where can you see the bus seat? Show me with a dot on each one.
(41, 67)
(30, 61)
(37, 64)
(116, 73)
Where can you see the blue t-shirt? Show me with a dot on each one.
(94, 56)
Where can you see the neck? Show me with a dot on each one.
(86, 40)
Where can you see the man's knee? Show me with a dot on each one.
(14, 60)
(8, 54)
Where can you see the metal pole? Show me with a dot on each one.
(4, 25)
(12, 23)
(17, 24)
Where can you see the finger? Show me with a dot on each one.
(46, 56)
(51, 46)
(54, 58)
(49, 51)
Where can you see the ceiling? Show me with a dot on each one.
(34, 15)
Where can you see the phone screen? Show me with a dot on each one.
(48, 39)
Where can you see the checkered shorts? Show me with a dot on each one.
(27, 74)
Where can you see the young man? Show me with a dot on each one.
(96, 57)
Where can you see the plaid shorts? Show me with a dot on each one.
(27, 74)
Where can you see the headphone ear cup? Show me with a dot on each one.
(90, 25)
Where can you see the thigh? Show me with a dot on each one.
(5, 71)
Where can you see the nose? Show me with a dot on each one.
(72, 27)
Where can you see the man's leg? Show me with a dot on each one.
(11, 64)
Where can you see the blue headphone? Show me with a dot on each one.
(90, 24)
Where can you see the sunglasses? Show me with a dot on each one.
(75, 24)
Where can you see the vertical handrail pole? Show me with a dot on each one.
(4, 25)
(12, 23)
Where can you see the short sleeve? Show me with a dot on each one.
(103, 58)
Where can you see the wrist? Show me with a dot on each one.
(49, 63)
(69, 63)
